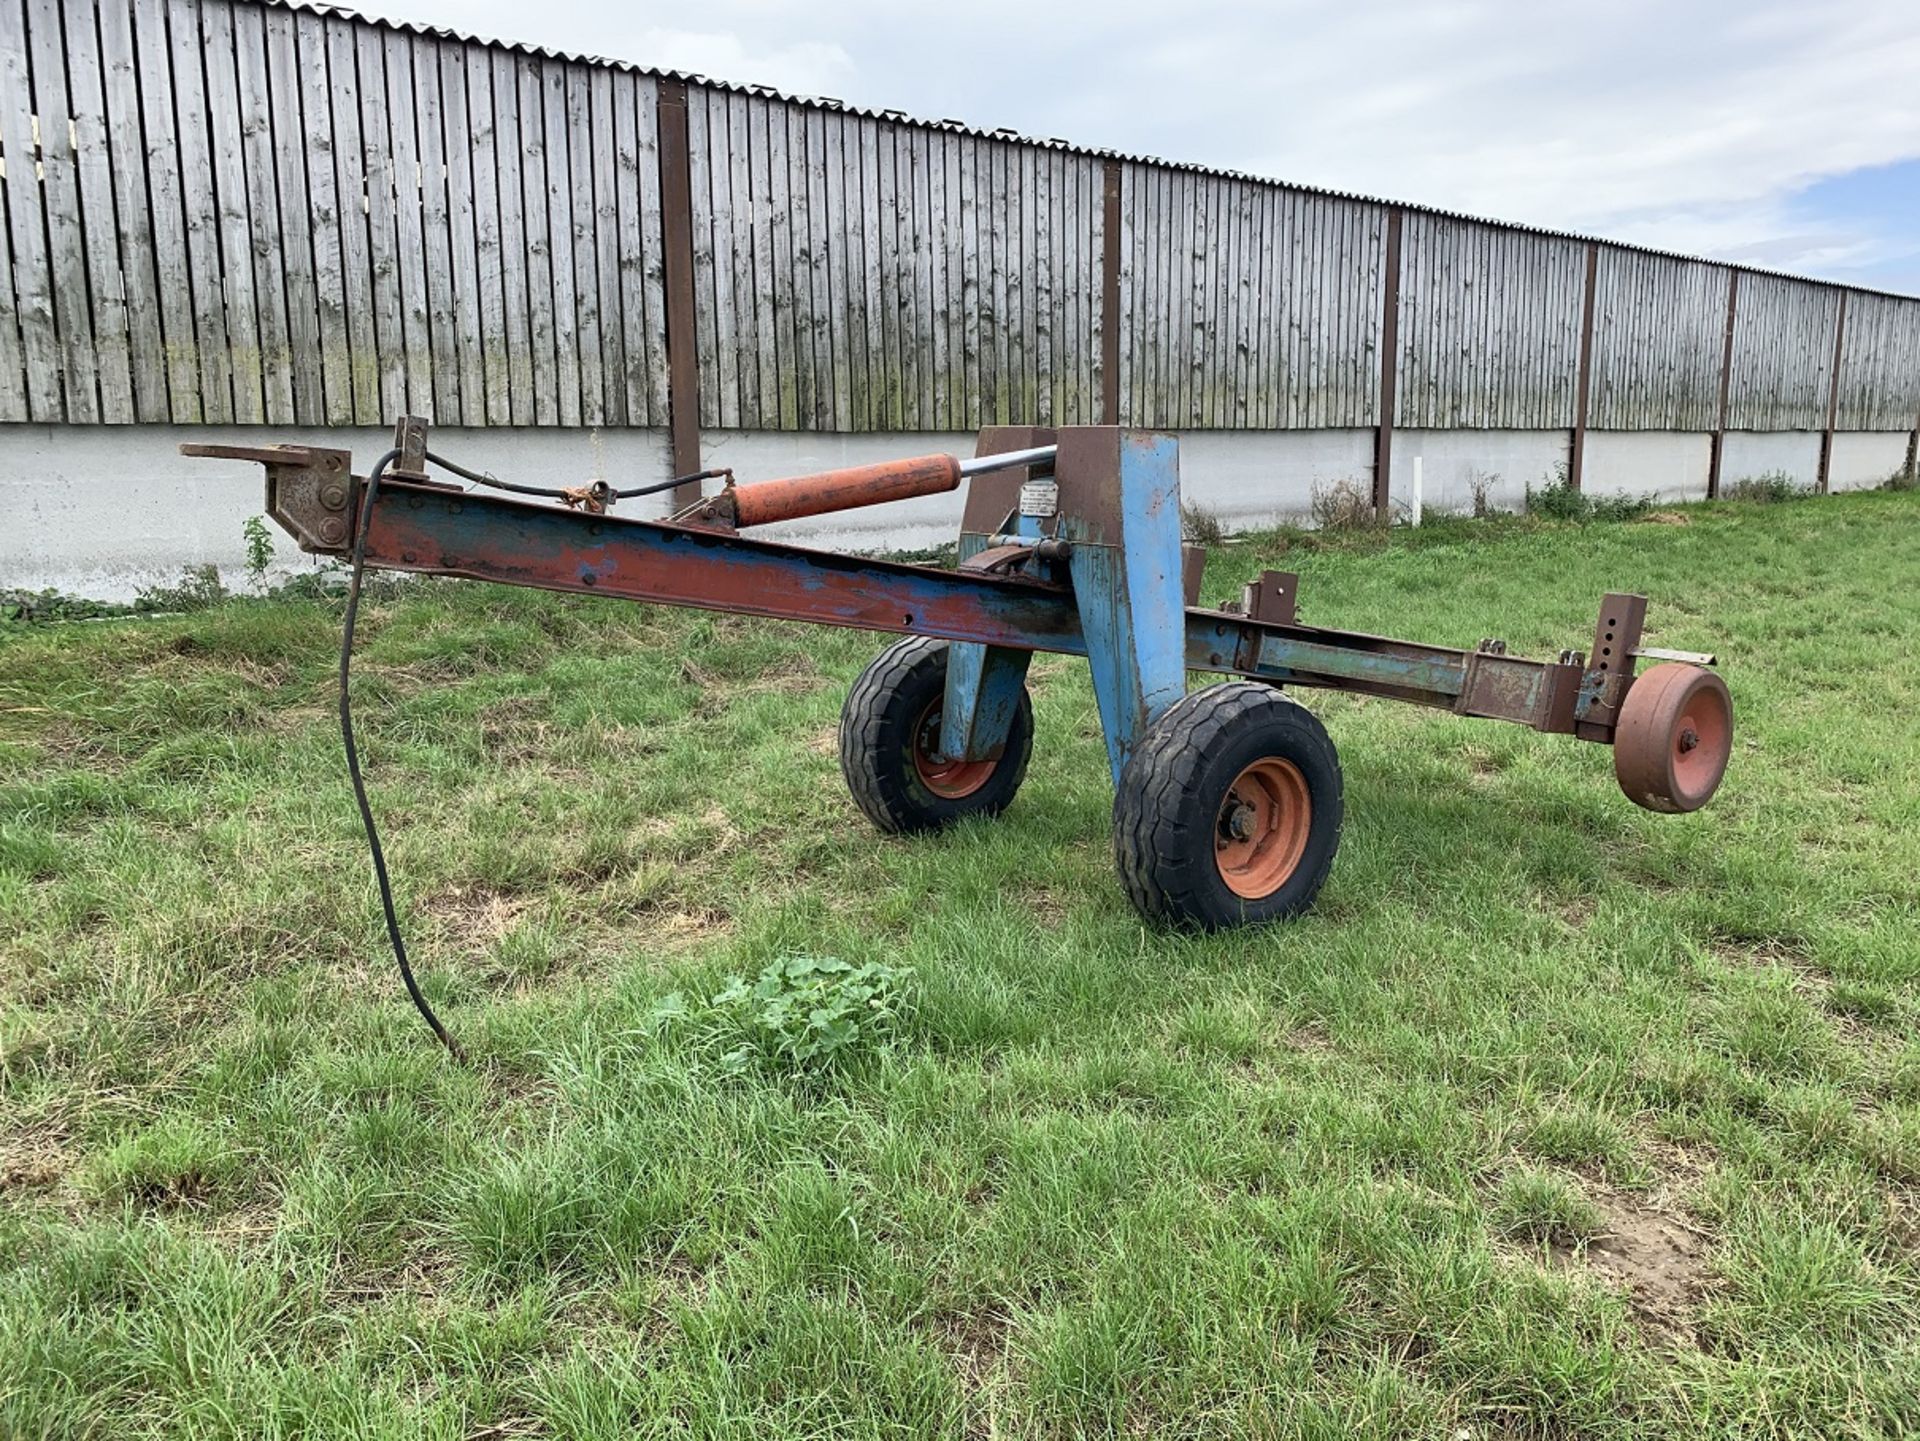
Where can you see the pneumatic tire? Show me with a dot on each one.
(1229, 812)
(889, 746)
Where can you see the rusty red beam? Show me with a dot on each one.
(436, 530)
(1719, 445)
(1389, 366)
(432, 530)
(1577, 461)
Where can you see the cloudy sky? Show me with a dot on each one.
(1784, 133)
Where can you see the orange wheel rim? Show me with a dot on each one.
(951, 780)
(1261, 831)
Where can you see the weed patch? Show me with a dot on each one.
(801, 1014)
(1557, 499)
(1200, 526)
(1342, 505)
(1770, 488)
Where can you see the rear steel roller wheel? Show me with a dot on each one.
(890, 746)
(1674, 738)
(1229, 812)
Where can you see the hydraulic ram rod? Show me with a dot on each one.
(1008, 460)
(767, 501)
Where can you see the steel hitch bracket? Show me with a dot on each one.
(311, 491)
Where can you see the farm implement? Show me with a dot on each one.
(1228, 801)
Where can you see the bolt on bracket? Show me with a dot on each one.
(310, 490)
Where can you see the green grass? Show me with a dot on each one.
(1354, 1176)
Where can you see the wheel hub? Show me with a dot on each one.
(1238, 820)
(1262, 828)
(949, 777)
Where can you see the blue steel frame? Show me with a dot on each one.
(1117, 598)
(1118, 509)
(1128, 588)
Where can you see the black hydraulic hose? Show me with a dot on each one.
(353, 760)
(346, 701)
(478, 478)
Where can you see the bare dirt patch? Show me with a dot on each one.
(190, 1190)
(32, 1163)
(976, 1343)
(518, 729)
(1650, 1251)
(1311, 1039)
(477, 916)
(794, 675)
(686, 927)
(1771, 953)
(1676, 1165)
(1048, 907)
(1576, 910)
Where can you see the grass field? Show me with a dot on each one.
(1555, 1119)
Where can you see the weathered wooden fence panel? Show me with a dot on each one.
(1489, 326)
(217, 210)
(857, 273)
(1783, 337)
(256, 212)
(1879, 364)
(1659, 329)
(1245, 304)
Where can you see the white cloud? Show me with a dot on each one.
(805, 67)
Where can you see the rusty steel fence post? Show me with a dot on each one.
(1577, 461)
(1389, 366)
(1833, 398)
(676, 233)
(1726, 378)
(1110, 295)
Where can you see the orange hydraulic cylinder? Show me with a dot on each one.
(769, 500)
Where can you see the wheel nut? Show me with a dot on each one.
(1240, 821)
(1689, 738)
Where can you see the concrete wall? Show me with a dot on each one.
(1453, 462)
(1751, 453)
(105, 511)
(1864, 459)
(1252, 479)
(169, 512)
(108, 511)
(1669, 465)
